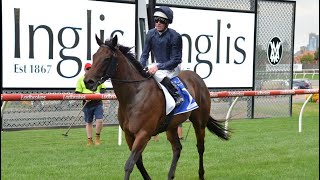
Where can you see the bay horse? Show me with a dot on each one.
(142, 107)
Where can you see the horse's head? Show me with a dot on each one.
(103, 65)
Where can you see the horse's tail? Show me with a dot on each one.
(217, 128)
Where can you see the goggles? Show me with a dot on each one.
(161, 20)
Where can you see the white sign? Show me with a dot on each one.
(46, 43)
(217, 45)
(297, 67)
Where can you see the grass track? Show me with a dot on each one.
(259, 149)
(307, 76)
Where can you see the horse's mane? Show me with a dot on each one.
(131, 57)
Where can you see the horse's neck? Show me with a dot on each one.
(126, 72)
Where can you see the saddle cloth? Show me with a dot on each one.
(188, 104)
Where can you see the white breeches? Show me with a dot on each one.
(160, 74)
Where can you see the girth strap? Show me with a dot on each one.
(163, 127)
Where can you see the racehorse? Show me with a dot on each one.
(142, 106)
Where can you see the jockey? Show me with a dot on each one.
(166, 46)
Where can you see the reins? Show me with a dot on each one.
(130, 81)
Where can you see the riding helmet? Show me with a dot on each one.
(164, 12)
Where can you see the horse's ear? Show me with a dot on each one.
(115, 41)
(98, 41)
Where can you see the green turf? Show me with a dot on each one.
(258, 149)
(306, 76)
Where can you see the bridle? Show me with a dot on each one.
(112, 68)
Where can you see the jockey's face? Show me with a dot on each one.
(160, 23)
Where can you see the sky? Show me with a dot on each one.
(307, 21)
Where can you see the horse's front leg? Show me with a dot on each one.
(136, 145)
(142, 169)
(172, 136)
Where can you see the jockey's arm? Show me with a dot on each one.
(175, 55)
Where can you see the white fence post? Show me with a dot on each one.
(119, 136)
(301, 112)
(229, 113)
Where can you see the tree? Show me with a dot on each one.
(307, 58)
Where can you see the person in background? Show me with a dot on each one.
(93, 109)
(180, 132)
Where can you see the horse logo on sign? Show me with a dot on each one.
(274, 51)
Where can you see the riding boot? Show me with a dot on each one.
(172, 90)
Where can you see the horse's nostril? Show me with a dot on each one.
(89, 83)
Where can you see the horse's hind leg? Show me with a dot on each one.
(200, 145)
(172, 136)
(200, 134)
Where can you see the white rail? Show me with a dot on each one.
(304, 72)
(237, 94)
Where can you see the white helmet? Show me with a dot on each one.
(164, 12)
(160, 14)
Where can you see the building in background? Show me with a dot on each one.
(313, 42)
(311, 48)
